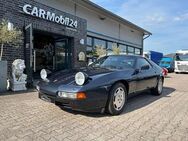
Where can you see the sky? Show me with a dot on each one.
(167, 20)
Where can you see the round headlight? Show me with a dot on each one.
(80, 78)
(43, 74)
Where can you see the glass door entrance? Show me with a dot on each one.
(51, 52)
(61, 54)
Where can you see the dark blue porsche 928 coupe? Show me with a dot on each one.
(102, 86)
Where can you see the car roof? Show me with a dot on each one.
(135, 56)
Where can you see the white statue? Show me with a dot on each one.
(18, 80)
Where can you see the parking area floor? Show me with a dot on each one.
(146, 118)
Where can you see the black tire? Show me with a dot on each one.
(111, 107)
(156, 90)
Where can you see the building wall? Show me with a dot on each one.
(131, 35)
(107, 27)
(89, 23)
(63, 5)
(11, 10)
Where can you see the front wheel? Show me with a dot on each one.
(117, 99)
(159, 88)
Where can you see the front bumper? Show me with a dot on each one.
(87, 105)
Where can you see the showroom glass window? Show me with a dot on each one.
(89, 46)
(89, 41)
(98, 43)
(137, 51)
(110, 46)
(130, 50)
(123, 49)
(89, 49)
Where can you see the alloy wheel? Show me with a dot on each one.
(119, 98)
(160, 86)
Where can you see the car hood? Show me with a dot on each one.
(68, 76)
(65, 80)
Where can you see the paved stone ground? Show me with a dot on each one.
(146, 118)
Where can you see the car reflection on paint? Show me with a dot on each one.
(102, 86)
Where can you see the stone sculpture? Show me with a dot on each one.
(18, 79)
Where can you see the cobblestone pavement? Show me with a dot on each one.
(146, 118)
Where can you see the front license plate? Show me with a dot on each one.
(45, 98)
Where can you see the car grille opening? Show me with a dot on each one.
(183, 67)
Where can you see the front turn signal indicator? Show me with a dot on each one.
(81, 96)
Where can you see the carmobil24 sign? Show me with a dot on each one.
(47, 15)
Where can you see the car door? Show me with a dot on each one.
(145, 76)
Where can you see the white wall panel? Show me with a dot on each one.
(108, 27)
(130, 35)
(63, 5)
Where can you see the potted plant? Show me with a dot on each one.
(8, 35)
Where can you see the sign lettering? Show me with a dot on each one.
(50, 16)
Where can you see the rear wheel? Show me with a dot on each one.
(159, 88)
(117, 99)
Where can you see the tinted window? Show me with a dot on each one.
(165, 62)
(142, 62)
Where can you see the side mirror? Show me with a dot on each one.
(145, 67)
(137, 71)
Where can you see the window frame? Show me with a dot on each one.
(92, 46)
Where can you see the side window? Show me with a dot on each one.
(142, 62)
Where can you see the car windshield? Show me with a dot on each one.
(165, 63)
(182, 57)
(115, 62)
